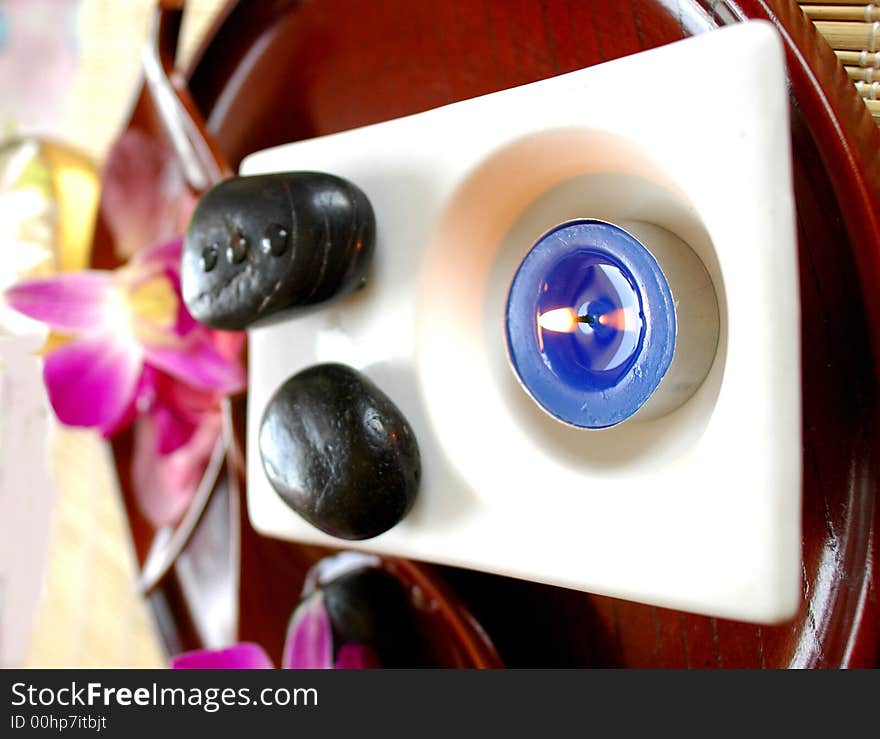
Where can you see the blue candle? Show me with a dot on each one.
(590, 324)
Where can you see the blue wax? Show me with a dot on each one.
(590, 323)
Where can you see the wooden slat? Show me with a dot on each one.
(853, 31)
(874, 107)
(859, 58)
(866, 74)
(868, 90)
(852, 36)
(862, 13)
(809, 3)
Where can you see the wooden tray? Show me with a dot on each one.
(273, 72)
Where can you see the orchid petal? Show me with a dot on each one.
(178, 410)
(144, 198)
(164, 484)
(172, 431)
(185, 322)
(187, 402)
(164, 255)
(75, 302)
(195, 361)
(228, 343)
(141, 398)
(92, 382)
(356, 657)
(242, 656)
(309, 642)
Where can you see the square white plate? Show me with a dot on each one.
(699, 510)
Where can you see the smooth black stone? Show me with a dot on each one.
(329, 233)
(370, 606)
(339, 452)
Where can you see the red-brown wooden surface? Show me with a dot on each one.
(273, 72)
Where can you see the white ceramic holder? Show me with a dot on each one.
(698, 509)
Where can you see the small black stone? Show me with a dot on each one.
(339, 452)
(370, 606)
(292, 241)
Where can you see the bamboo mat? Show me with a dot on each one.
(90, 615)
(853, 31)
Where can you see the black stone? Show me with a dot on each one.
(271, 244)
(370, 606)
(339, 452)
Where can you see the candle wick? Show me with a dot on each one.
(588, 318)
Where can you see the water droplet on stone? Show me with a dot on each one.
(275, 240)
(209, 257)
(237, 249)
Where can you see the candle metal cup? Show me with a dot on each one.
(598, 332)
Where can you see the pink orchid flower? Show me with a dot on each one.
(121, 321)
(134, 348)
(145, 201)
(173, 442)
(308, 646)
(144, 197)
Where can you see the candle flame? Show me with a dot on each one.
(561, 320)
(565, 320)
(622, 319)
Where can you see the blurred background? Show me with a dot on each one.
(68, 73)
